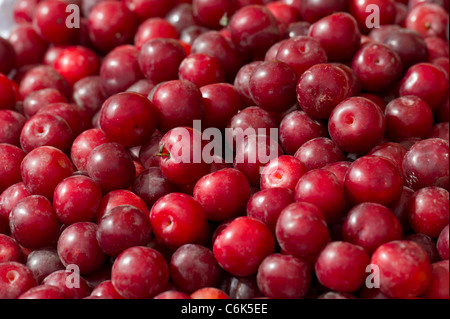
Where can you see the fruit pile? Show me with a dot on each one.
(110, 190)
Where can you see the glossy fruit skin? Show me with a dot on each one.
(284, 172)
(128, 119)
(312, 11)
(433, 152)
(124, 227)
(233, 246)
(318, 153)
(33, 222)
(61, 277)
(253, 153)
(106, 290)
(43, 262)
(194, 267)
(15, 122)
(28, 45)
(77, 62)
(120, 69)
(111, 166)
(49, 20)
(277, 272)
(147, 277)
(84, 144)
(76, 199)
(272, 86)
(154, 28)
(209, 293)
(291, 139)
(111, 24)
(407, 117)
(438, 288)
(43, 168)
(322, 188)
(442, 243)
(428, 211)
(10, 250)
(370, 225)
(15, 279)
(179, 156)
(178, 103)
(119, 198)
(209, 13)
(221, 102)
(364, 181)
(43, 77)
(341, 266)
(250, 120)
(202, 70)
(10, 160)
(267, 205)
(151, 185)
(426, 81)
(359, 10)
(412, 278)
(78, 245)
(427, 243)
(160, 59)
(377, 66)
(46, 130)
(242, 81)
(357, 125)
(223, 194)
(345, 39)
(428, 20)
(7, 97)
(301, 53)
(250, 36)
(144, 9)
(317, 96)
(70, 113)
(178, 219)
(8, 56)
(409, 45)
(216, 45)
(310, 241)
(173, 295)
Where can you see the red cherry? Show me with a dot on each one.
(140, 273)
(308, 242)
(411, 274)
(181, 156)
(178, 219)
(267, 205)
(373, 179)
(223, 194)
(128, 118)
(428, 211)
(322, 188)
(277, 271)
(78, 245)
(371, 225)
(357, 125)
(111, 24)
(76, 63)
(341, 266)
(242, 246)
(426, 164)
(254, 29)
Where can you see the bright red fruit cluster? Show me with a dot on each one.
(354, 203)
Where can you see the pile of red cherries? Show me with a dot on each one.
(353, 202)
